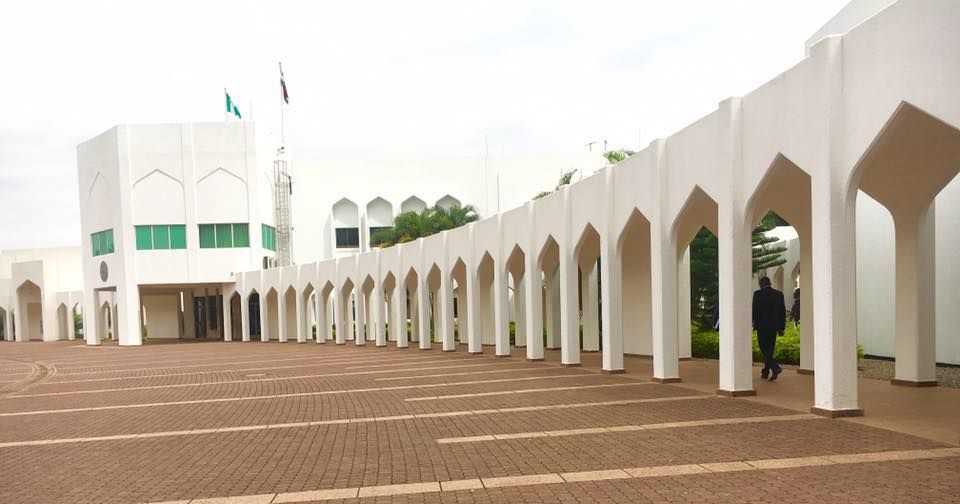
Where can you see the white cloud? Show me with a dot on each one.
(370, 79)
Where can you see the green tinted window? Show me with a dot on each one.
(224, 236)
(161, 237)
(241, 235)
(144, 237)
(269, 237)
(102, 242)
(208, 236)
(178, 236)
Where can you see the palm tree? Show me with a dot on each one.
(409, 226)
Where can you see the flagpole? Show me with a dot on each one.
(225, 113)
(283, 141)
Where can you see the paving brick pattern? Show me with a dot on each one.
(377, 437)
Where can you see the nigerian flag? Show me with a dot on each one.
(232, 107)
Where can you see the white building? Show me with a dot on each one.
(174, 216)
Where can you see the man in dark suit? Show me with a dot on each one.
(769, 319)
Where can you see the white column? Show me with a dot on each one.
(91, 316)
(736, 301)
(264, 319)
(916, 351)
(533, 317)
(128, 315)
(71, 329)
(302, 318)
(684, 328)
(473, 328)
(501, 317)
(423, 318)
(520, 311)
(282, 316)
(360, 322)
(663, 276)
(807, 336)
(446, 313)
(552, 307)
(834, 299)
(569, 319)
(225, 307)
(610, 285)
(340, 315)
(590, 302)
(323, 323)
(245, 318)
(379, 316)
(398, 328)
(8, 323)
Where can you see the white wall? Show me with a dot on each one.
(162, 316)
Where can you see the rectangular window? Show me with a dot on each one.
(102, 242)
(224, 236)
(227, 235)
(241, 235)
(269, 236)
(348, 237)
(178, 236)
(161, 237)
(208, 236)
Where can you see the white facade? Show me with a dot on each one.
(39, 291)
(370, 193)
(161, 178)
(872, 110)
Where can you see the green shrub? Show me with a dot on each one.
(705, 343)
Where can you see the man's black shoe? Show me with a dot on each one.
(764, 374)
(776, 373)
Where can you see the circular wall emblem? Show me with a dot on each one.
(104, 271)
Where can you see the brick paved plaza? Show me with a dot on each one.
(270, 423)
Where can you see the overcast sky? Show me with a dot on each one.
(390, 79)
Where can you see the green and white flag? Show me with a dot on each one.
(232, 107)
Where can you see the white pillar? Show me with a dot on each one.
(445, 299)
(590, 302)
(610, 285)
(569, 319)
(91, 316)
(245, 318)
(500, 313)
(474, 335)
(423, 318)
(916, 351)
(807, 336)
(323, 324)
(301, 316)
(664, 279)
(399, 326)
(520, 311)
(834, 299)
(736, 301)
(380, 316)
(226, 307)
(360, 319)
(684, 328)
(8, 323)
(340, 315)
(71, 328)
(264, 319)
(282, 316)
(128, 315)
(533, 309)
(552, 307)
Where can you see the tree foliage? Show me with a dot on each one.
(704, 270)
(615, 156)
(409, 226)
(565, 179)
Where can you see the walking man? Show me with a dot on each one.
(769, 320)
